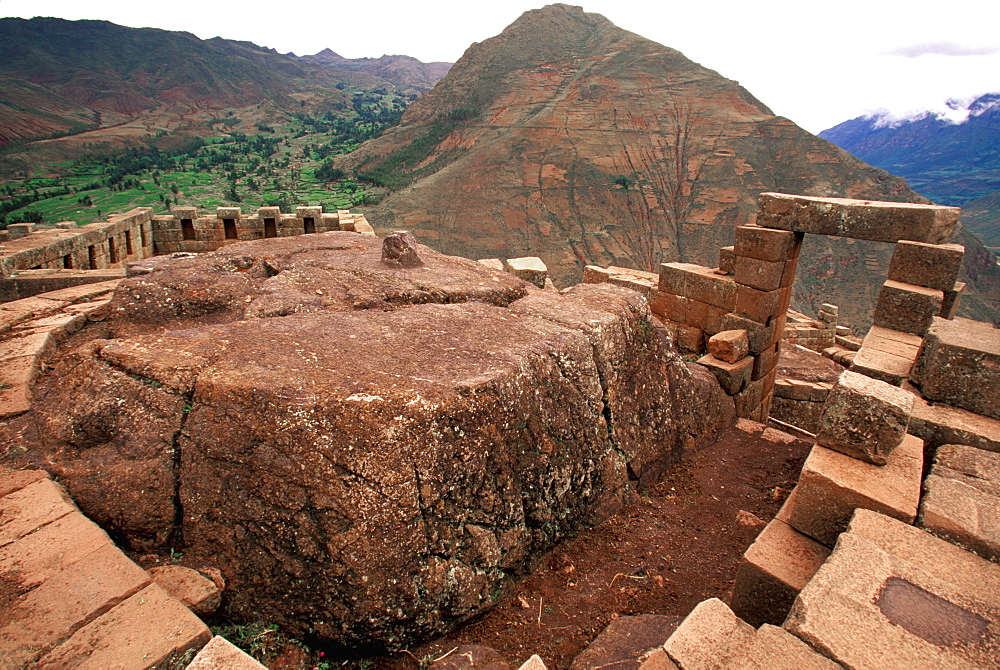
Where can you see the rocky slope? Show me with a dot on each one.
(367, 452)
(574, 140)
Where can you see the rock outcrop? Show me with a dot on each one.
(366, 452)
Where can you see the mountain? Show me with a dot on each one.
(571, 139)
(951, 156)
(403, 71)
(92, 83)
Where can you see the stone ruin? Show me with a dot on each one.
(518, 415)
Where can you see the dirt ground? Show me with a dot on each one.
(674, 546)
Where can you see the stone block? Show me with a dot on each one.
(221, 654)
(793, 389)
(147, 630)
(865, 418)
(711, 636)
(778, 565)
(751, 399)
(832, 485)
(184, 212)
(30, 508)
(859, 219)
(802, 414)
(760, 306)
(882, 366)
(727, 260)
(760, 337)
(54, 547)
(761, 275)
(228, 213)
(960, 364)
(592, 274)
(530, 269)
(15, 480)
(733, 377)
(497, 264)
(903, 345)
(767, 244)
(16, 231)
(961, 499)
(51, 612)
(698, 283)
(939, 423)
(657, 660)
(730, 346)
(197, 592)
(898, 606)
(766, 361)
(907, 307)
(16, 377)
(931, 265)
(625, 641)
(952, 298)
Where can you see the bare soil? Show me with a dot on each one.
(677, 544)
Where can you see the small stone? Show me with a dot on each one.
(745, 518)
(399, 249)
(529, 268)
(197, 592)
(729, 345)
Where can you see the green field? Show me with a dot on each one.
(259, 165)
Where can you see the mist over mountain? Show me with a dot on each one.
(400, 70)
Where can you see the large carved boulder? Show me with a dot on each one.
(372, 465)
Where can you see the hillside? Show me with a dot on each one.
(400, 70)
(574, 140)
(952, 159)
(79, 86)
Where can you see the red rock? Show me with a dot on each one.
(698, 283)
(15, 480)
(733, 377)
(220, 654)
(931, 265)
(52, 548)
(760, 306)
(626, 641)
(767, 244)
(730, 346)
(907, 307)
(859, 219)
(30, 508)
(147, 630)
(399, 249)
(197, 592)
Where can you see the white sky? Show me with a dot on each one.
(818, 63)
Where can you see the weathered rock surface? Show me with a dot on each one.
(372, 475)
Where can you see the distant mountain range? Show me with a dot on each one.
(568, 138)
(950, 156)
(93, 83)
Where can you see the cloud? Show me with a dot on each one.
(942, 49)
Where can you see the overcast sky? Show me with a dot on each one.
(816, 63)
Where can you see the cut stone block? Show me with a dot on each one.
(625, 641)
(194, 590)
(865, 418)
(962, 499)
(149, 629)
(778, 565)
(497, 264)
(952, 298)
(765, 362)
(960, 364)
(761, 275)
(727, 260)
(897, 343)
(880, 365)
(30, 508)
(698, 283)
(774, 647)
(873, 606)
(711, 636)
(859, 219)
(832, 485)
(939, 423)
(52, 611)
(15, 480)
(759, 336)
(767, 244)
(657, 660)
(733, 377)
(761, 306)
(931, 265)
(221, 654)
(730, 346)
(529, 268)
(54, 547)
(687, 338)
(907, 307)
